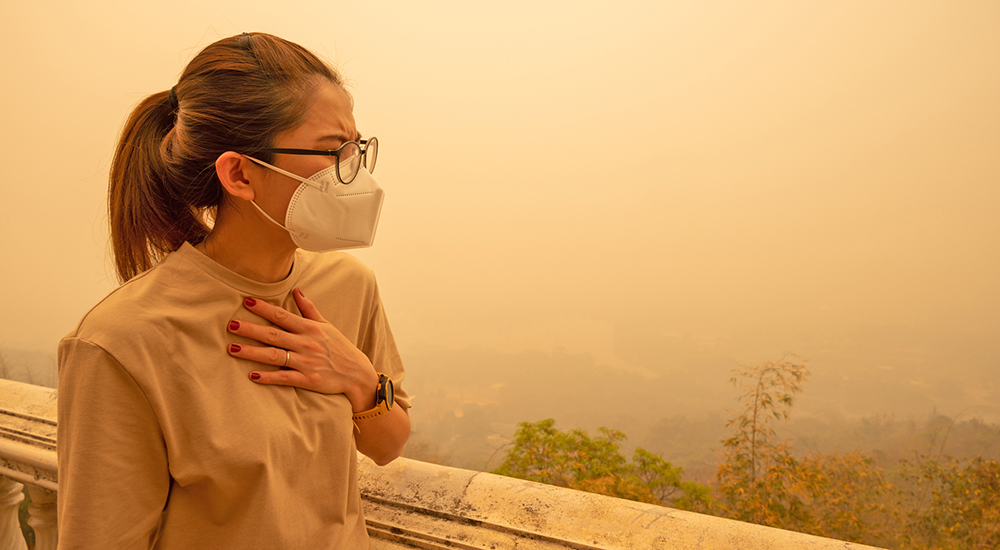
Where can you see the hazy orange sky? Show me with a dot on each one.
(652, 183)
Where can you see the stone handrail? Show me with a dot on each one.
(27, 456)
(409, 504)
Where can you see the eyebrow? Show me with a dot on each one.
(339, 137)
(335, 137)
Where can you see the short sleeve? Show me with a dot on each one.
(380, 347)
(113, 475)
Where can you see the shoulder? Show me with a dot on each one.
(116, 309)
(336, 268)
(341, 286)
(141, 303)
(100, 343)
(337, 260)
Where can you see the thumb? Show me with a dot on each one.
(308, 309)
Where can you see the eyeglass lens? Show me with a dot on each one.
(371, 154)
(352, 159)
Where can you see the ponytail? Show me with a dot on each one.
(237, 94)
(147, 220)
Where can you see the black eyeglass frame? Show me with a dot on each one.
(363, 145)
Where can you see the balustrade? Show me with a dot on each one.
(407, 504)
(10, 501)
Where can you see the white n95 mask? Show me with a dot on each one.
(325, 214)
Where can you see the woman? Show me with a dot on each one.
(218, 396)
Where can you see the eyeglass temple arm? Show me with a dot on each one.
(325, 153)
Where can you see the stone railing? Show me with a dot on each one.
(28, 457)
(409, 504)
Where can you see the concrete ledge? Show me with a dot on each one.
(28, 434)
(435, 507)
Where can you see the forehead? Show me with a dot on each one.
(329, 120)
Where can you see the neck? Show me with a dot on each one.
(248, 244)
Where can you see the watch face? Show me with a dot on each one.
(385, 392)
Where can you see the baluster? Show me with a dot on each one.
(10, 530)
(43, 517)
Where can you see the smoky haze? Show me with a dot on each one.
(593, 213)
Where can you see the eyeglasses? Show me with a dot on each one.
(351, 156)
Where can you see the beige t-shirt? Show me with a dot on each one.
(164, 442)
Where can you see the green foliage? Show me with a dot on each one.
(22, 516)
(924, 504)
(963, 511)
(845, 497)
(575, 460)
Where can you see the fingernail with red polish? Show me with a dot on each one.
(234, 348)
(301, 295)
(254, 376)
(234, 325)
(250, 302)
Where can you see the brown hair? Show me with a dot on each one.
(237, 94)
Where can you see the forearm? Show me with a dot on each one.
(382, 438)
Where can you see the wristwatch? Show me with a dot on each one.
(384, 399)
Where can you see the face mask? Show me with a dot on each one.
(325, 214)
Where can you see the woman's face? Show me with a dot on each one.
(328, 124)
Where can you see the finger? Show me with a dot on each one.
(308, 309)
(275, 357)
(270, 335)
(279, 316)
(280, 378)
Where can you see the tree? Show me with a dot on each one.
(4, 371)
(758, 476)
(761, 481)
(574, 460)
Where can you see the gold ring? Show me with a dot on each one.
(288, 357)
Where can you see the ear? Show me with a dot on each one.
(234, 172)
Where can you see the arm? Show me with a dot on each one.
(382, 438)
(113, 476)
